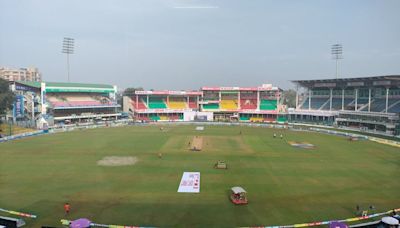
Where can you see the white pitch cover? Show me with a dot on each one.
(190, 182)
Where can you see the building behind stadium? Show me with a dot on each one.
(20, 74)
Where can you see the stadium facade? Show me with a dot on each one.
(52, 103)
(371, 104)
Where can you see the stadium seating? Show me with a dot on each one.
(316, 103)
(229, 104)
(337, 103)
(154, 117)
(256, 119)
(141, 104)
(248, 103)
(175, 117)
(77, 100)
(269, 119)
(177, 103)
(395, 108)
(144, 118)
(379, 105)
(244, 118)
(156, 103)
(162, 117)
(281, 119)
(193, 104)
(211, 106)
(268, 104)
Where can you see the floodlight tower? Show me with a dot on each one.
(68, 48)
(337, 51)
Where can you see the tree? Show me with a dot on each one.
(6, 97)
(289, 98)
(131, 91)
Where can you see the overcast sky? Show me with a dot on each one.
(173, 44)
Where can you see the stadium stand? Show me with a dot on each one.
(368, 103)
(229, 104)
(224, 104)
(141, 104)
(61, 103)
(177, 103)
(268, 104)
(257, 104)
(162, 105)
(193, 103)
(256, 119)
(77, 100)
(248, 104)
(248, 100)
(211, 106)
(157, 103)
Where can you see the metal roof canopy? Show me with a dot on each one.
(65, 85)
(238, 190)
(311, 83)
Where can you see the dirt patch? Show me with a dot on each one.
(117, 161)
(197, 143)
(230, 144)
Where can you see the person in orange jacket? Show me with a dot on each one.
(67, 207)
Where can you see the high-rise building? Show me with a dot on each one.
(21, 74)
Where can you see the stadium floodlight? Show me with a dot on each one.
(68, 48)
(337, 53)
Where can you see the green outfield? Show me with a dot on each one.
(285, 184)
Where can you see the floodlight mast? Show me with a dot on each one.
(68, 48)
(337, 53)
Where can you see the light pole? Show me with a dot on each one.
(337, 51)
(68, 48)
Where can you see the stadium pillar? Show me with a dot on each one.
(238, 99)
(258, 99)
(369, 99)
(277, 95)
(387, 100)
(147, 100)
(297, 96)
(309, 99)
(137, 102)
(330, 100)
(355, 104)
(342, 99)
(43, 97)
(33, 108)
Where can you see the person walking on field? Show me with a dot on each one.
(67, 207)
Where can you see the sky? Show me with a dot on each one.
(186, 44)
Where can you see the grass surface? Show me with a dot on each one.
(285, 185)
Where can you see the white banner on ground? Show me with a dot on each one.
(190, 182)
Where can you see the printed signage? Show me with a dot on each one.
(190, 182)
